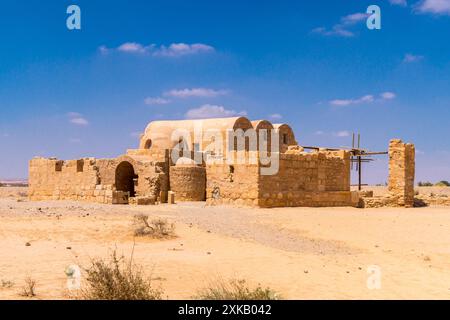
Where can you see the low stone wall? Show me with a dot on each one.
(431, 200)
(392, 201)
(93, 179)
(52, 179)
(310, 199)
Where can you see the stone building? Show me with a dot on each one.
(220, 161)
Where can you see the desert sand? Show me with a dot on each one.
(302, 253)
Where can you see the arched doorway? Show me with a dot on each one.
(125, 176)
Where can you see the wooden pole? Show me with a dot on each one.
(359, 173)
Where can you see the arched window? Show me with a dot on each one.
(148, 144)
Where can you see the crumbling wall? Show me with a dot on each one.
(188, 182)
(52, 179)
(152, 177)
(401, 180)
(94, 179)
(401, 173)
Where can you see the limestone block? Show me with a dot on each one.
(120, 197)
(171, 197)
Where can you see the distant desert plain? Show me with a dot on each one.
(301, 253)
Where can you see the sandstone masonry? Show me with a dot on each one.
(148, 175)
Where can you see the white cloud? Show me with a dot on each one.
(319, 133)
(77, 119)
(74, 140)
(341, 29)
(335, 31)
(439, 7)
(173, 50)
(388, 95)
(363, 100)
(195, 92)
(132, 47)
(353, 18)
(346, 102)
(410, 58)
(156, 101)
(342, 134)
(212, 111)
(181, 49)
(402, 3)
(275, 116)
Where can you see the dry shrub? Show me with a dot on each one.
(6, 284)
(236, 290)
(118, 279)
(156, 228)
(29, 289)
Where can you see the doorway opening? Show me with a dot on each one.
(125, 177)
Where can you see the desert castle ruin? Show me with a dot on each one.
(220, 161)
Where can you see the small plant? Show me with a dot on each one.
(29, 289)
(118, 279)
(6, 284)
(236, 290)
(156, 228)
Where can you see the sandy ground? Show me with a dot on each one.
(303, 253)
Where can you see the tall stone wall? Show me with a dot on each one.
(401, 173)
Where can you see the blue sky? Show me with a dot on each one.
(312, 64)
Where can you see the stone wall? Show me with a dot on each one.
(304, 179)
(401, 173)
(309, 179)
(232, 184)
(52, 179)
(94, 180)
(188, 182)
